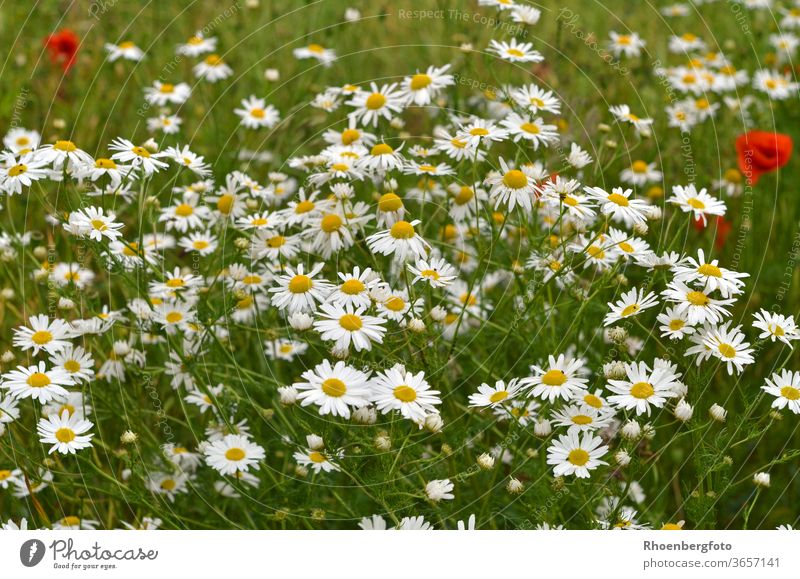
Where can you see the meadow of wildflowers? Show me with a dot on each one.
(399, 265)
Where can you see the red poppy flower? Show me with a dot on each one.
(761, 152)
(722, 230)
(63, 48)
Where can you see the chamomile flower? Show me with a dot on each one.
(619, 205)
(535, 99)
(137, 156)
(94, 223)
(298, 291)
(43, 334)
(125, 50)
(163, 93)
(492, 396)
(233, 453)
(421, 88)
(334, 388)
(728, 344)
(319, 460)
(699, 306)
(514, 51)
(18, 173)
(710, 275)
(76, 361)
(166, 123)
(197, 45)
(37, 382)
(212, 69)
(436, 272)
(514, 187)
(256, 113)
(326, 56)
(632, 303)
(283, 349)
(575, 454)
(641, 173)
(561, 379)
(629, 44)
(377, 103)
(67, 432)
(346, 325)
(533, 131)
(699, 203)
(354, 289)
(582, 418)
(776, 327)
(785, 386)
(675, 324)
(410, 394)
(623, 114)
(643, 388)
(400, 241)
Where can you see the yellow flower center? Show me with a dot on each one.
(375, 101)
(105, 164)
(174, 317)
(581, 419)
(554, 378)
(381, 149)
(620, 200)
(99, 224)
(395, 304)
(727, 350)
(352, 287)
(676, 325)
(184, 210)
(639, 167)
(790, 393)
(593, 401)
(515, 52)
(71, 521)
(530, 128)
(65, 435)
(225, 203)
(405, 393)
(234, 454)
(430, 273)
(330, 223)
(420, 81)
(642, 390)
(515, 179)
(316, 457)
(17, 170)
(72, 366)
(630, 310)
(390, 202)
(41, 337)
(697, 298)
(67, 146)
(596, 252)
(334, 387)
(168, 484)
(709, 270)
(300, 284)
(213, 60)
(350, 136)
(696, 203)
(498, 396)
(578, 457)
(402, 230)
(141, 152)
(350, 322)
(38, 380)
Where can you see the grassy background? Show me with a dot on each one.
(99, 101)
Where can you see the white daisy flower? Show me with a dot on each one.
(65, 432)
(785, 386)
(561, 378)
(632, 303)
(776, 327)
(401, 241)
(574, 454)
(298, 291)
(43, 334)
(410, 394)
(492, 396)
(699, 306)
(643, 388)
(699, 203)
(346, 325)
(335, 389)
(233, 453)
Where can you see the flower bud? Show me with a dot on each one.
(631, 430)
(761, 479)
(486, 461)
(718, 413)
(683, 411)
